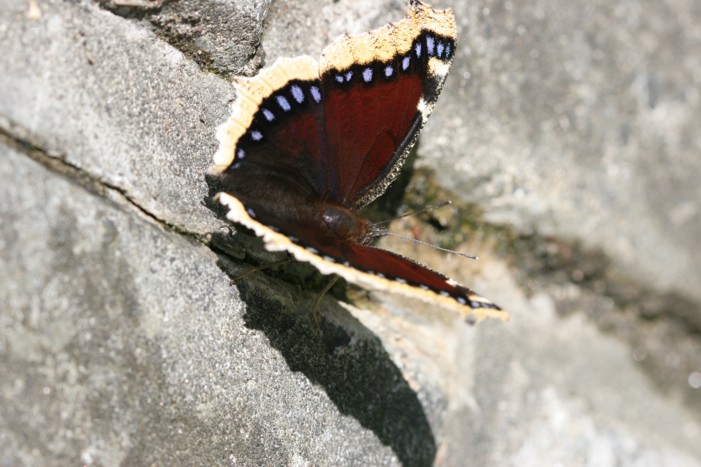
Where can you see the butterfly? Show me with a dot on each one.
(309, 143)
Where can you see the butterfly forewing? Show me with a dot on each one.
(378, 90)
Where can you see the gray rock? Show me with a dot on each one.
(86, 83)
(581, 122)
(125, 344)
(122, 340)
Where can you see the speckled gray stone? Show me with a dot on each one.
(581, 121)
(125, 344)
(122, 340)
(104, 94)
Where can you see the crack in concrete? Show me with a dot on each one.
(29, 144)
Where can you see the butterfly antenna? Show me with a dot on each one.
(382, 232)
(413, 213)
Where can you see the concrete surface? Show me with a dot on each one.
(123, 341)
(582, 122)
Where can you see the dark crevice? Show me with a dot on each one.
(618, 305)
(556, 262)
(132, 9)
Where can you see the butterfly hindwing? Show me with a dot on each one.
(364, 265)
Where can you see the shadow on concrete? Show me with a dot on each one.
(357, 374)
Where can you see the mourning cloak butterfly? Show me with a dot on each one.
(309, 144)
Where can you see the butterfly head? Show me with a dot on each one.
(346, 224)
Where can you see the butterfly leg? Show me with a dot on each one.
(317, 302)
(262, 267)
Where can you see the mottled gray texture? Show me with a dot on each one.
(140, 123)
(123, 343)
(582, 121)
(122, 340)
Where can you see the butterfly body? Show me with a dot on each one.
(310, 143)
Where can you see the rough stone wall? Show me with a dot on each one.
(570, 128)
